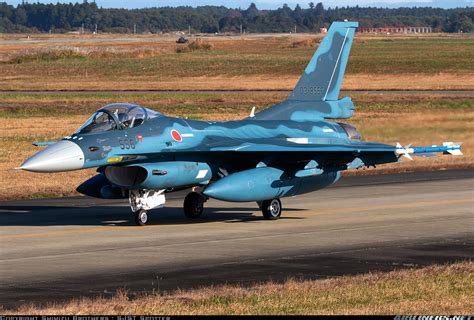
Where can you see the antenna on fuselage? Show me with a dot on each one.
(252, 113)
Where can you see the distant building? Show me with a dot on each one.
(397, 30)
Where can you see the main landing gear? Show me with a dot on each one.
(271, 209)
(194, 205)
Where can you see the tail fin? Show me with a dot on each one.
(321, 81)
(322, 77)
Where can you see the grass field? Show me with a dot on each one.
(24, 118)
(432, 290)
(390, 62)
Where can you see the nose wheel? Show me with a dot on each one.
(193, 205)
(141, 217)
(271, 209)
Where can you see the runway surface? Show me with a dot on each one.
(52, 250)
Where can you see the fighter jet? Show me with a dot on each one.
(289, 149)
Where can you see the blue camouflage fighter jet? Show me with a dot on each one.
(286, 150)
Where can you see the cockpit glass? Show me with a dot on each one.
(99, 122)
(116, 117)
(130, 118)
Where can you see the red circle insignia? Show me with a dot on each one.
(176, 135)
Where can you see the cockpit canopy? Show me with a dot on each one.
(117, 116)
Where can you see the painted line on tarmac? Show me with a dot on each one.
(396, 206)
(354, 209)
(65, 232)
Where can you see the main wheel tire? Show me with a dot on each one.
(193, 205)
(271, 209)
(141, 217)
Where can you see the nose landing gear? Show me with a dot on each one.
(143, 200)
(141, 217)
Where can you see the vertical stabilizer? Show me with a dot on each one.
(322, 77)
(316, 93)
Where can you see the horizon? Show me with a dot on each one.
(265, 4)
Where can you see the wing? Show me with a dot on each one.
(300, 145)
(341, 156)
(296, 152)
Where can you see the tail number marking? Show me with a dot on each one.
(313, 90)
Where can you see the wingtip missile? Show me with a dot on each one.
(452, 148)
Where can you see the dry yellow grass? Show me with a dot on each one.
(433, 290)
(241, 63)
(351, 82)
(16, 138)
(422, 129)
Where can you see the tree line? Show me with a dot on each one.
(88, 17)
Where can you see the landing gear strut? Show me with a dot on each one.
(194, 205)
(143, 200)
(271, 209)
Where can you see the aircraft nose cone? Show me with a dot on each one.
(61, 156)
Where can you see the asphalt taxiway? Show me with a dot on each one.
(57, 249)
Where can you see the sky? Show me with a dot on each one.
(267, 4)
